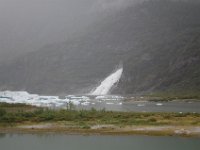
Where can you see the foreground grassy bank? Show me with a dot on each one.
(32, 119)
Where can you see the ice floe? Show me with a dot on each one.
(53, 101)
(109, 97)
(159, 104)
(140, 105)
(37, 100)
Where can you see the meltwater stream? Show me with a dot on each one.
(107, 84)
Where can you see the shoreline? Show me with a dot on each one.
(20, 118)
(58, 128)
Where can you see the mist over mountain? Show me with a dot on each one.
(158, 43)
(28, 25)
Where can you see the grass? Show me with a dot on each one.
(27, 119)
(87, 118)
(17, 107)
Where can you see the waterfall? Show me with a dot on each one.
(108, 83)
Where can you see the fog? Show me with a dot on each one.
(156, 41)
(27, 25)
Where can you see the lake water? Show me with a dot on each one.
(78, 142)
(173, 106)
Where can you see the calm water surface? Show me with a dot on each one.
(173, 106)
(76, 142)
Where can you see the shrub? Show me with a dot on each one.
(152, 120)
(2, 112)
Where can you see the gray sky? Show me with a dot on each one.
(27, 25)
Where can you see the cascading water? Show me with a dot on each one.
(108, 83)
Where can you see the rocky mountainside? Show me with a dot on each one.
(158, 43)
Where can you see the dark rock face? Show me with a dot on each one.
(158, 43)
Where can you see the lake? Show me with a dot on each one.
(172, 106)
(78, 142)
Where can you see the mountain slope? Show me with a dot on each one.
(158, 43)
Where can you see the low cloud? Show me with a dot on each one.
(103, 5)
